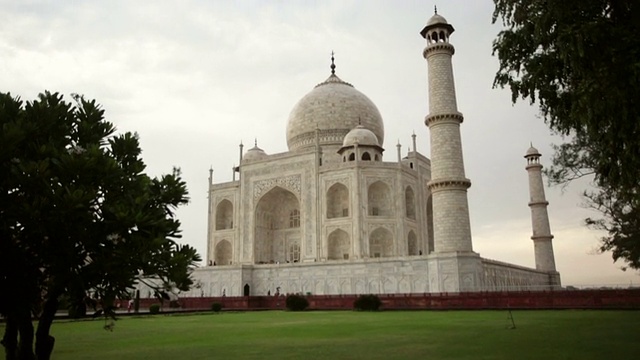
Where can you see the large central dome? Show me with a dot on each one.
(333, 107)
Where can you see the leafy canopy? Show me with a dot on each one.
(580, 61)
(78, 216)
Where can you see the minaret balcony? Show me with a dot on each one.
(441, 47)
(448, 184)
(456, 118)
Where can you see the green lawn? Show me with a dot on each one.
(565, 334)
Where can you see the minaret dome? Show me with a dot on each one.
(437, 29)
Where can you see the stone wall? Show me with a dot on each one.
(400, 275)
(500, 276)
(562, 299)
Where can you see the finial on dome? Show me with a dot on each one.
(333, 65)
(255, 142)
(435, 9)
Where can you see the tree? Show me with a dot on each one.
(79, 218)
(580, 61)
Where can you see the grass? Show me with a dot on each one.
(566, 334)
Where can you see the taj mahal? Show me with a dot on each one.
(329, 216)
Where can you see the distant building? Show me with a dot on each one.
(330, 217)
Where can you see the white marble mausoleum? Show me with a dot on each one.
(329, 216)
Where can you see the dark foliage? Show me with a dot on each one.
(77, 310)
(296, 302)
(154, 309)
(79, 218)
(216, 307)
(367, 303)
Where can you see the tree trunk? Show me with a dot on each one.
(25, 327)
(10, 339)
(136, 302)
(44, 341)
(18, 324)
(18, 335)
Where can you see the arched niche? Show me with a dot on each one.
(223, 253)
(277, 226)
(379, 199)
(224, 215)
(339, 245)
(366, 156)
(337, 201)
(380, 243)
(410, 203)
(412, 244)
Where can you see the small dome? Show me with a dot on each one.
(532, 152)
(361, 136)
(254, 154)
(437, 19)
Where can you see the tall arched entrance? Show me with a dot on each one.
(277, 236)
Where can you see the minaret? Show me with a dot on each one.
(448, 185)
(210, 221)
(539, 218)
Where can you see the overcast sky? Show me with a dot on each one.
(195, 78)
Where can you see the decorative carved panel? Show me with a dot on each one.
(291, 183)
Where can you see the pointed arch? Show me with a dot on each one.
(337, 201)
(339, 245)
(277, 216)
(223, 253)
(366, 156)
(410, 203)
(352, 157)
(412, 244)
(224, 215)
(379, 199)
(380, 243)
